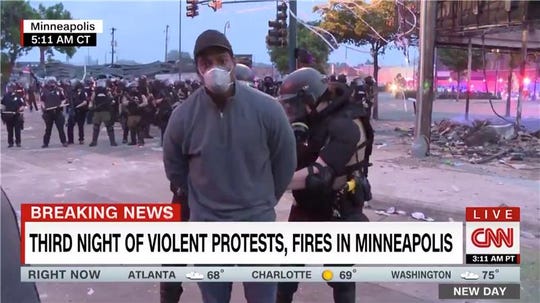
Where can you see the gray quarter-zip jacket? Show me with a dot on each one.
(235, 163)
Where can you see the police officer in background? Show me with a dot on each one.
(102, 105)
(134, 103)
(53, 101)
(78, 108)
(12, 114)
(333, 146)
(165, 104)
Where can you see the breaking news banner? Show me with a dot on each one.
(492, 235)
(132, 234)
(63, 33)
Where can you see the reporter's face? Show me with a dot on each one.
(214, 57)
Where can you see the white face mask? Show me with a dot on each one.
(217, 80)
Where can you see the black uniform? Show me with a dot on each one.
(147, 112)
(165, 108)
(78, 108)
(12, 117)
(102, 105)
(52, 98)
(342, 138)
(132, 102)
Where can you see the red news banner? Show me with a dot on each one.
(492, 235)
(91, 212)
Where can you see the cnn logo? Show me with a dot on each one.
(488, 237)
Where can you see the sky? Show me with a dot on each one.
(140, 33)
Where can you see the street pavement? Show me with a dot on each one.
(80, 173)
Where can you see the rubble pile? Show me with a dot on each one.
(483, 142)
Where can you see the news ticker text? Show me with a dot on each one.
(458, 274)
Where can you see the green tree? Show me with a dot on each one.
(457, 61)
(11, 14)
(307, 40)
(56, 11)
(359, 23)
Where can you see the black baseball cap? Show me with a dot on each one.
(211, 38)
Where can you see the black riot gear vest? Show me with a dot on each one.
(52, 98)
(102, 100)
(79, 96)
(317, 137)
(12, 103)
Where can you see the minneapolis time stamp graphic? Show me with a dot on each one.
(59, 39)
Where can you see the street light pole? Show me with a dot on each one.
(227, 26)
(180, 40)
(112, 45)
(166, 41)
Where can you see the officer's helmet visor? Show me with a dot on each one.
(294, 107)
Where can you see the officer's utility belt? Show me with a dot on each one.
(351, 196)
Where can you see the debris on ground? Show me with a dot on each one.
(420, 216)
(481, 142)
(390, 211)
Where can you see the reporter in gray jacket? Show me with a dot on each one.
(231, 149)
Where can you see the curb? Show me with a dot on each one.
(381, 201)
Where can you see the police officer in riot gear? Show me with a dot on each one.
(53, 101)
(102, 104)
(122, 91)
(134, 103)
(78, 108)
(333, 145)
(165, 104)
(12, 114)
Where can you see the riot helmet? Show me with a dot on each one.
(50, 82)
(11, 87)
(244, 73)
(301, 89)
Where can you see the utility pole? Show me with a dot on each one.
(522, 69)
(112, 45)
(166, 41)
(292, 35)
(425, 94)
(180, 40)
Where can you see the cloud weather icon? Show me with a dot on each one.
(469, 276)
(194, 276)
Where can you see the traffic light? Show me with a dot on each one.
(215, 4)
(282, 12)
(192, 8)
(277, 34)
